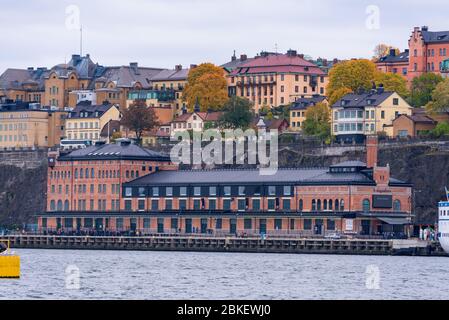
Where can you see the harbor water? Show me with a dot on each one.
(73, 274)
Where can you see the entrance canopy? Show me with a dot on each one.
(395, 221)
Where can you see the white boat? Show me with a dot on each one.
(443, 225)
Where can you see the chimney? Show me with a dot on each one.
(30, 69)
(134, 66)
(178, 67)
(380, 89)
(301, 55)
(415, 29)
(233, 58)
(425, 28)
(291, 53)
(392, 52)
(243, 57)
(372, 146)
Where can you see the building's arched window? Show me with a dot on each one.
(107, 174)
(87, 173)
(66, 205)
(81, 173)
(76, 173)
(313, 205)
(318, 206)
(397, 205)
(92, 173)
(52, 205)
(325, 204)
(342, 205)
(330, 204)
(337, 205)
(59, 205)
(301, 205)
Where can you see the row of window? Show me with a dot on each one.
(103, 174)
(81, 205)
(255, 79)
(83, 125)
(83, 135)
(208, 191)
(248, 224)
(82, 188)
(15, 126)
(15, 138)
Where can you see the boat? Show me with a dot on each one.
(443, 223)
(9, 262)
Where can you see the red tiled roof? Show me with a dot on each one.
(278, 63)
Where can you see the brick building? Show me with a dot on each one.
(351, 197)
(84, 186)
(394, 63)
(428, 50)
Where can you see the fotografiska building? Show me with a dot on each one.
(124, 188)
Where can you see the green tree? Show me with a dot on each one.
(317, 121)
(440, 98)
(422, 88)
(352, 75)
(207, 84)
(392, 82)
(139, 118)
(442, 129)
(237, 114)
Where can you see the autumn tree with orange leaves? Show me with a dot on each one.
(206, 84)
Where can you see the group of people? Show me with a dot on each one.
(427, 234)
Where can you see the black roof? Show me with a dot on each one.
(85, 109)
(304, 103)
(295, 176)
(402, 57)
(354, 100)
(435, 36)
(122, 150)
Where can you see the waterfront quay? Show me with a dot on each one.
(230, 244)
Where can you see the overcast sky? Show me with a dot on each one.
(163, 33)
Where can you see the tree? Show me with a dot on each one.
(317, 121)
(139, 118)
(338, 94)
(441, 129)
(440, 98)
(207, 85)
(352, 75)
(237, 114)
(392, 82)
(422, 88)
(382, 50)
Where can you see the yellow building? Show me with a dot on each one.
(25, 126)
(299, 108)
(366, 113)
(86, 121)
(273, 79)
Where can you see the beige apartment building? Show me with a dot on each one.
(272, 79)
(86, 121)
(358, 115)
(31, 128)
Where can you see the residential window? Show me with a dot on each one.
(256, 204)
(395, 101)
(218, 224)
(278, 224)
(169, 191)
(182, 204)
(212, 204)
(271, 204)
(141, 204)
(286, 204)
(271, 190)
(307, 224)
(287, 191)
(154, 205)
(382, 114)
(183, 191)
(141, 191)
(197, 191)
(227, 190)
(128, 205)
(168, 204)
(366, 205)
(197, 204)
(330, 224)
(247, 224)
(241, 190)
(155, 191)
(227, 204)
(128, 191)
(241, 204)
(212, 191)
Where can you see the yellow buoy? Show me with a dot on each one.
(9, 263)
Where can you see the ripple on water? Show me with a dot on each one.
(190, 275)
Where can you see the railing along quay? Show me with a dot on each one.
(223, 244)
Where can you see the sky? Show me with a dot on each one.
(164, 33)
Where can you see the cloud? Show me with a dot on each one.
(163, 33)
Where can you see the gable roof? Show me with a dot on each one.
(354, 100)
(85, 109)
(435, 36)
(304, 103)
(403, 57)
(171, 75)
(115, 151)
(278, 63)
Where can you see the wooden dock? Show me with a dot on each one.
(229, 244)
